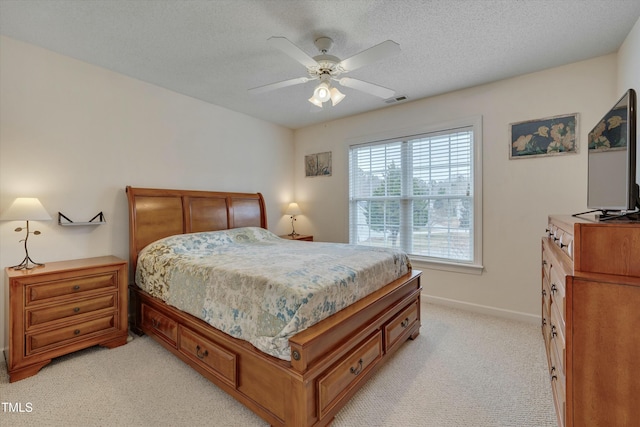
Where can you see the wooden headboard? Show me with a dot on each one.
(156, 213)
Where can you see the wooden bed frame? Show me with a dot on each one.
(330, 361)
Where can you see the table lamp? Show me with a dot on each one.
(26, 209)
(293, 210)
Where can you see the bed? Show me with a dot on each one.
(312, 373)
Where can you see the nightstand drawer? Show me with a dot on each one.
(39, 316)
(40, 292)
(45, 340)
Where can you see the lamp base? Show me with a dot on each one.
(293, 234)
(24, 265)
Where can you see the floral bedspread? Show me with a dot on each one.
(255, 286)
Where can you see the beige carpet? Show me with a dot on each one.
(465, 369)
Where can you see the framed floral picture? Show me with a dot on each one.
(544, 137)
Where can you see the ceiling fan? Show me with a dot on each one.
(328, 68)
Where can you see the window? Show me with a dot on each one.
(419, 193)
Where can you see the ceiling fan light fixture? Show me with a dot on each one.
(322, 92)
(327, 68)
(315, 101)
(336, 96)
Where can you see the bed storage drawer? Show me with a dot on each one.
(214, 358)
(395, 331)
(340, 379)
(161, 325)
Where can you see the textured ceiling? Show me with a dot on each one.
(216, 50)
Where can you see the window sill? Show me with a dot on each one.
(423, 263)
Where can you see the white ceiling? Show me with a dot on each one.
(215, 50)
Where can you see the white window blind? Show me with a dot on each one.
(415, 193)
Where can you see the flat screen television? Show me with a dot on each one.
(612, 147)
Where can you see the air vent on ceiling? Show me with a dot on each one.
(395, 99)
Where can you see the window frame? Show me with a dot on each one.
(474, 266)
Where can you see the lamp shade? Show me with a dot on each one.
(322, 92)
(336, 96)
(315, 102)
(293, 209)
(25, 209)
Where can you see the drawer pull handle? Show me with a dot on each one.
(356, 371)
(76, 288)
(76, 309)
(76, 332)
(553, 375)
(554, 288)
(553, 331)
(562, 245)
(544, 292)
(405, 323)
(201, 355)
(155, 323)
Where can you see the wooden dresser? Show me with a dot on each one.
(591, 320)
(62, 307)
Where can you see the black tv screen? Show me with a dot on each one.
(612, 180)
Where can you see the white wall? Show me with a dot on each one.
(74, 135)
(629, 61)
(629, 75)
(518, 194)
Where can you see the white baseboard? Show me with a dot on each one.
(484, 309)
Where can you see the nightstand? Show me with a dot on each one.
(306, 238)
(63, 307)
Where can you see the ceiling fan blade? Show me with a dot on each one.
(279, 85)
(370, 88)
(378, 52)
(293, 51)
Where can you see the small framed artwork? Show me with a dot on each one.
(544, 137)
(318, 164)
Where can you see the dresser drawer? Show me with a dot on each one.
(45, 340)
(216, 359)
(557, 339)
(546, 260)
(395, 331)
(161, 325)
(546, 328)
(562, 236)
(39, 316)
(558, 386)
(77, 285)
(546, 295)
(558, 292)
(340, 379)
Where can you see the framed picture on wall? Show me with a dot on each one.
(318, 164)
(544, 137)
